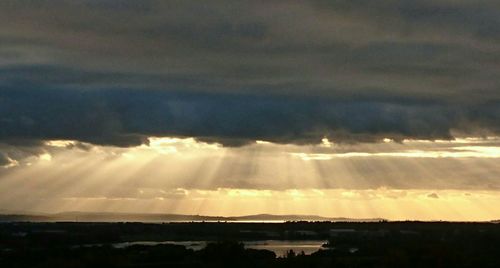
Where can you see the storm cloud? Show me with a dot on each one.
(128, 117)
(116, 72)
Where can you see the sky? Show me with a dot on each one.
(336, 108)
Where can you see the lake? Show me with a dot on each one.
(280, 247)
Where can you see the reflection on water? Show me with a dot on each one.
(280, 247)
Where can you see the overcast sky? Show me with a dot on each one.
(360, 89)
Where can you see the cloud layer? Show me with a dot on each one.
(115, 72)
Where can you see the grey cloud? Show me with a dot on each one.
(433, 195)
(114, 72)
(270, 45)
(14, 151)
(80, 145)
(4, 160)
(127, 117)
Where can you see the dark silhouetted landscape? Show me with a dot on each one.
(223, 244)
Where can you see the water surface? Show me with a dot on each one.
(279, 247)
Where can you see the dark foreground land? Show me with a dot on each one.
(382, 244)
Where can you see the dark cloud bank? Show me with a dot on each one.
(115, 72)
(127, 117)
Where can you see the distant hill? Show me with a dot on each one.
(271, 217)
(76, 216)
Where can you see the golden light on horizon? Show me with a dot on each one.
(357, 204)
(396, 181)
